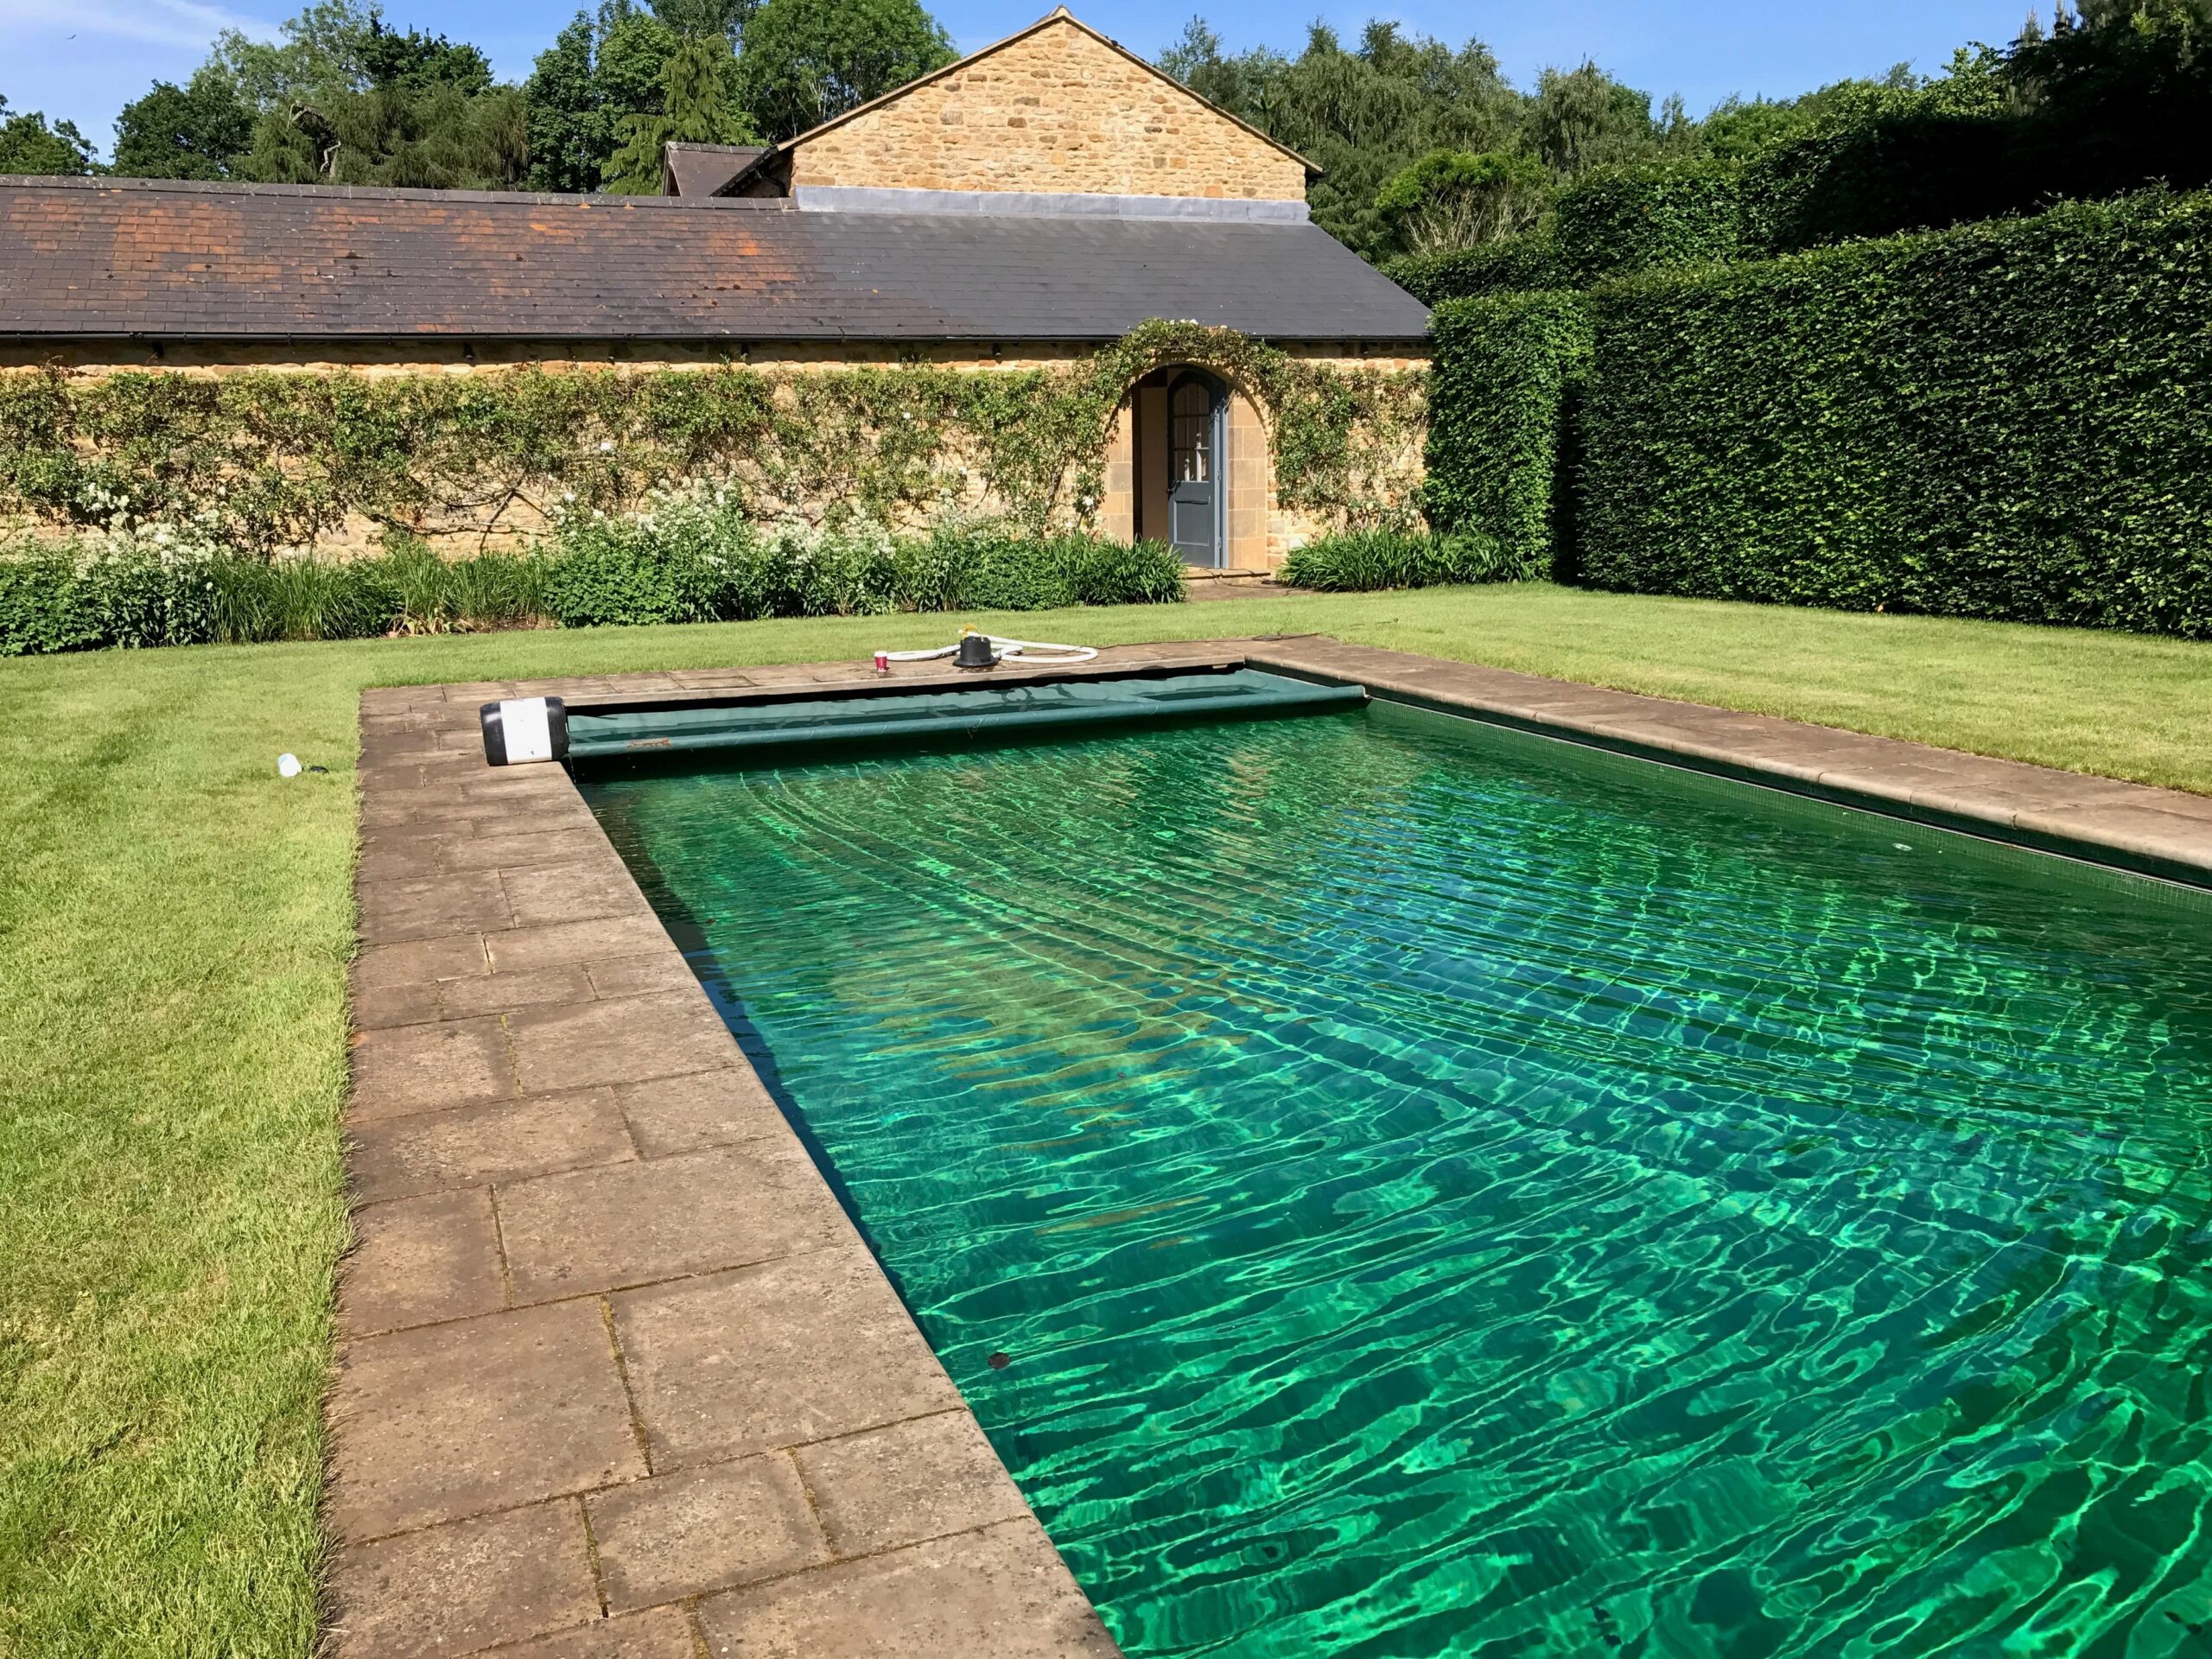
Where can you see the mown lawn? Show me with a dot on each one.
(174, 921)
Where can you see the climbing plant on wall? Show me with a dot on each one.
(265, 459)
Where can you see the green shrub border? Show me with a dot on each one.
(1365, 561)
(267, 460)
(699, 564)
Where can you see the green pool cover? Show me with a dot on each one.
(963, 716)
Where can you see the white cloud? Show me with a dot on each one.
(155, 22)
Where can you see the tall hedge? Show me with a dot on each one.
(1612, 222)
(2007, 420)
(1618, 221)
(1503, 379)
(1512, 265)
(1890, 171)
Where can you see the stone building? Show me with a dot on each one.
(1027, 204)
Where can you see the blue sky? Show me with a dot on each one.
(84, 59)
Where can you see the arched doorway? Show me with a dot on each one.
(1197, 481)
(1202, 484)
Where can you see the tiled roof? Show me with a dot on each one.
(90, 258)
(701, 170)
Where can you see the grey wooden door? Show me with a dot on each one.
(1194, 406)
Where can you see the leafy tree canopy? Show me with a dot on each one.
(442, 139)
(319, 54)
(27, 144)
(1452, 199)
(698, 106)
(1361, 114)
(603, 68)
(1582, 118)
(198, 130)
(806, 61)
(344, 97)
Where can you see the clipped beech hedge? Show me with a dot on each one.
(1513, 265)
(1504, 383)
(2007, 420)
(1615, 221)
(1618, 221)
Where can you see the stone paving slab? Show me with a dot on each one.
(704, 1530)
(465, 1587)
(984, 1593)
(616, 1378)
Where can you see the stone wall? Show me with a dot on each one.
(1261, 531)
(1057, 109)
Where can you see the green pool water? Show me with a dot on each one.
(1390, 1187)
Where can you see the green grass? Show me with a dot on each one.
(174, 921)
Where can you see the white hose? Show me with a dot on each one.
(1029, 649)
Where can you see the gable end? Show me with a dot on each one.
(1056, 110)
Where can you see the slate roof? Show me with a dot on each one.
(108, 258)
(703, 169)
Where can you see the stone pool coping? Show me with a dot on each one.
(2161, 832)
(616, 1376)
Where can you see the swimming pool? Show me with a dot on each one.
(1391, 1185)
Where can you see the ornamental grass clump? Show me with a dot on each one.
(485, 591)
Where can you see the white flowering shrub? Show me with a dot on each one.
(690, 555)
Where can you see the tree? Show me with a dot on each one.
(200, 130)
(697, 107)
(28, 145)
(1583, 117)
(1450, 199)
(695, 17)
(1240, 84)
(806, 61)
(414, 62)
(443, 139)
(601, 69)
(2115, 98)
(346, 99)
(1361, 114)
(318, 55)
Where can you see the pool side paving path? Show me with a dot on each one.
(616, 1376)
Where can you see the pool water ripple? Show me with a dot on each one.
(1440, 1192)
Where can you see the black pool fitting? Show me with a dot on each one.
(976, 653)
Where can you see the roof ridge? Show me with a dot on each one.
(102, 183)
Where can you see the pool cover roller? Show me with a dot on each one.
(962, 716)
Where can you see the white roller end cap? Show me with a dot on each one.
(520, 730)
